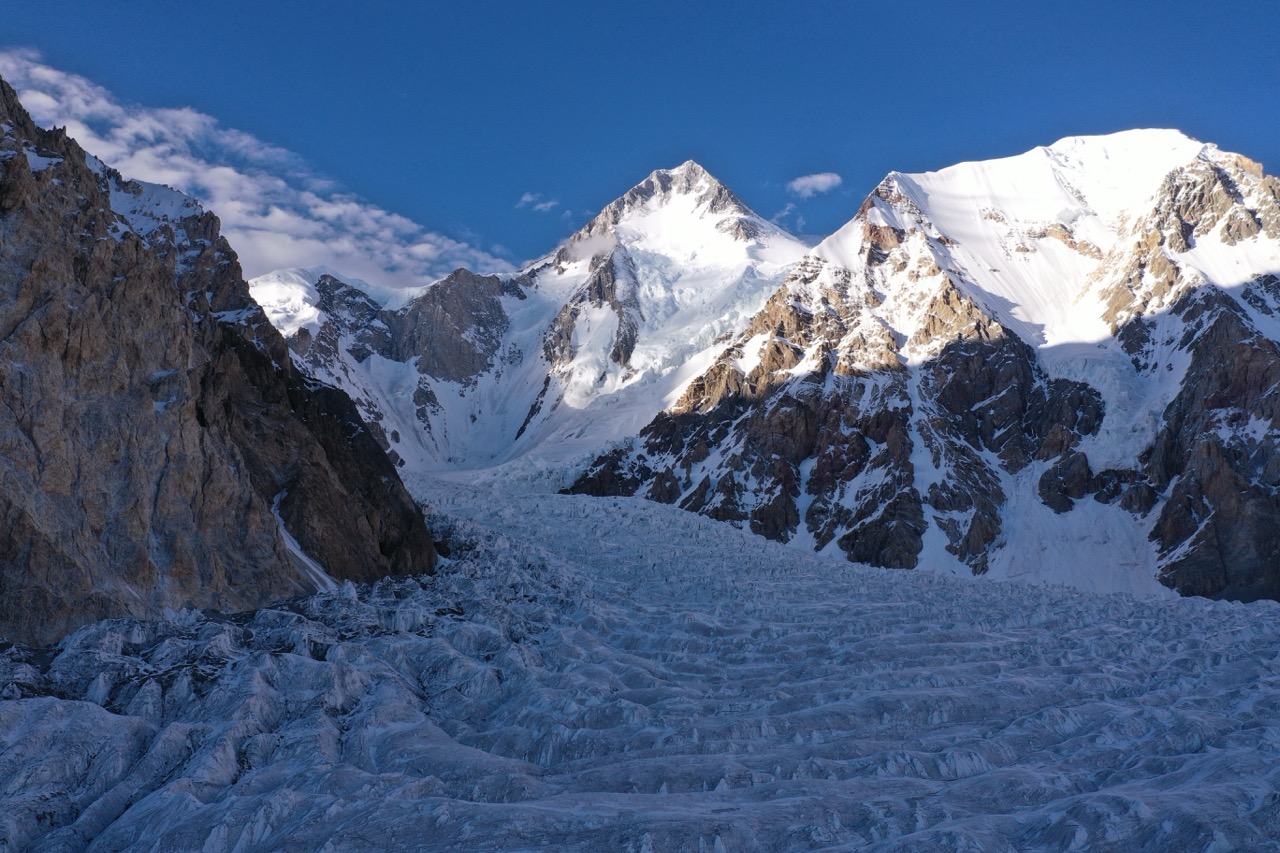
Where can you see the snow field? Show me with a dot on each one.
(612, 674)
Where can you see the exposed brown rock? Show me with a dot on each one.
(1063, 235)
(469, 306)
(1220, 528)
(832, 415)
(147, 438)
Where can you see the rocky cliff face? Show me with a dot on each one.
(1062, 365)
(1177, 306)
(159, 448)
(814, 423)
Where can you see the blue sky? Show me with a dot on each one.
(446, 116)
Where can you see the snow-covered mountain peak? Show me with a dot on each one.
(664, 185)
(684, 213)
(581, 347)
(1023, 236)
(945, 380)
(670, 266)
(1105, 175)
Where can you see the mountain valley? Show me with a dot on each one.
(956, 530)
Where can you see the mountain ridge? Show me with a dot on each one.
(963, 375)
(911, 298)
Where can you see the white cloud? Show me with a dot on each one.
(275, 210)
(538, 202)
(807, 186)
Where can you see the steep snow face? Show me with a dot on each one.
(289, 299)
(647, 289)
(1048, 367)
(578, 350)
(589, 675)
(1022, 234)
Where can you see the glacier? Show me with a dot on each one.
(616, 674)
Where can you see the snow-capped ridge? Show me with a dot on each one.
(1022, 235)
(147, 207)
(291, 302)
(1008, 357)
(580, 347)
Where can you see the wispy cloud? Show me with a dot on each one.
(275, 210)
(780, 218)
(807, 186)
(538, 202)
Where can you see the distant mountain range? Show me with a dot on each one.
(1060, 366)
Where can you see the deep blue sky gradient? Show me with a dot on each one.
(448, 113)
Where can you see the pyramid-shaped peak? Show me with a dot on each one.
(688, 182)
(690, 170)
(690, 178)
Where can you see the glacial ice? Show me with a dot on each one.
(614, 674)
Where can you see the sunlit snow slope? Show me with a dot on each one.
(550, 365)
(1062, 366)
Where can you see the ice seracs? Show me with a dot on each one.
(616, 674)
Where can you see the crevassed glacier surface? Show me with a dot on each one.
(589, 674)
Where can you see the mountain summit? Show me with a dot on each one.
(1058, 366)
(579, 349)
(691, 187)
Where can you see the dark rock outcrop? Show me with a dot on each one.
(832, 450)
(469, 307)
(1217, 456)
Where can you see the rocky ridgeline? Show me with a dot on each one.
(1038, 367)
(451, 333)
(1216, 457)
(159, 448)
(830, 406)
(824, 421)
